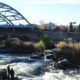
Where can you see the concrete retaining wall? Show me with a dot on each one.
(62, 35)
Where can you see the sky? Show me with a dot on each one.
(57, 11)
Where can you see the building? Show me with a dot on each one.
(51, 26)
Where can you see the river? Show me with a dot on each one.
(28, 69)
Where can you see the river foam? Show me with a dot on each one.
(34, 69)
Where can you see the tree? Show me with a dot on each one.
(79, 28)
(47, 40)
(43, 25)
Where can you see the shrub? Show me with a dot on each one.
(74, 45)
(47, 41)
(44, 43)
(61, 44)
(70, 50)
(12, 42)
(39, 44)
(16, 45)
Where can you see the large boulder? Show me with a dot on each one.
(72, 54)
(3, 74)
(63, 64)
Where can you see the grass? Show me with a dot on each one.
(61, 44)
(74, 45)
(39, 44)
(70, 50)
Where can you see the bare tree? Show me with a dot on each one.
(43, 25)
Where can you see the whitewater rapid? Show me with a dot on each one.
(27, 69)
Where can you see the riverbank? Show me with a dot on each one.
(67, 54)
(15, 45)
(27, 70)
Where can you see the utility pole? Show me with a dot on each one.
(71, 26)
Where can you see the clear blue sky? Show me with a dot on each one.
(59, 13)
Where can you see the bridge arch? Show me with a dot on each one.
(10, 15)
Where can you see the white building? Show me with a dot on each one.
(51, 26)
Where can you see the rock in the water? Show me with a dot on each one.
(3, 74)
(62, 64)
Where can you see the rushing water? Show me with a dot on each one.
(24, 67)
(27, 69)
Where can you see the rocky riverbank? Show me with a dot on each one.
(68, 55)
(4, 75)
(15, 45)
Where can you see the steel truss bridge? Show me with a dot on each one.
(11, 16)
(13, 22)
